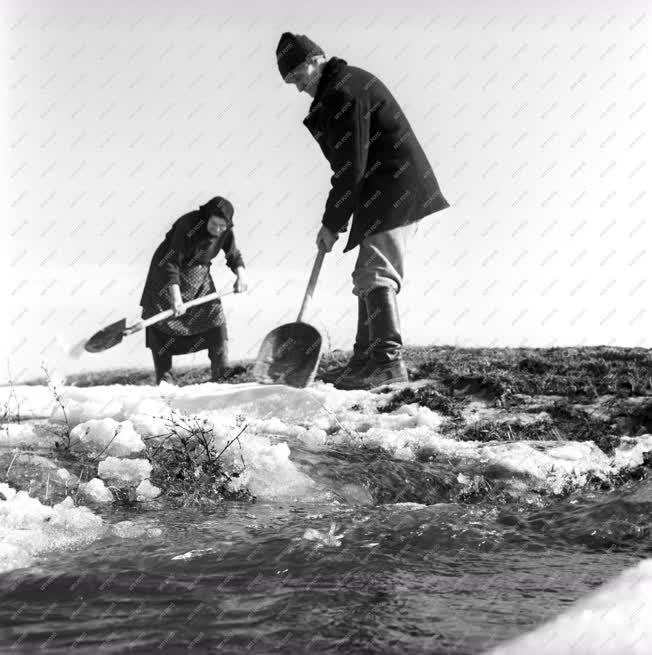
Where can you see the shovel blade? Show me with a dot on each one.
(110, 336)
(289, 355)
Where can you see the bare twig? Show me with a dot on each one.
(57, 398)
(13, 459)
(348, 431)
(236, 438)
(117, 431)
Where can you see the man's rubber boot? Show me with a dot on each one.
(219, 356)
(162, 367)
(360, 348)
(385, 365)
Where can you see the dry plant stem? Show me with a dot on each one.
(117, 431)
(236, 438)
(59, 402)
(6, 417)
(13, 459)
(348, 431)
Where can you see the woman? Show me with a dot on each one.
(179, 272)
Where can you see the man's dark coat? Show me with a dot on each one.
(380, 172)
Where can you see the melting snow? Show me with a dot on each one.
(124, 472)
(29, 528)
(107, 435)
(615, 619)
(96, 490)
(112, 422)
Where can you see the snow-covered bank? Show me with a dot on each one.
(117, 418)
(111, 425)
(614, 620)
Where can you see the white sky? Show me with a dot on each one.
(121, 117)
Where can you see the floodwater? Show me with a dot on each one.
(388, 557)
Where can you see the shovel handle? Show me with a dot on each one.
(139, 325)
(312, 283)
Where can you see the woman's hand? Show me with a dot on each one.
(177, 303)
(178, 309)
(240, 285)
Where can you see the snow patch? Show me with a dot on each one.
(106, 435)
(124, 472)
(615, 619)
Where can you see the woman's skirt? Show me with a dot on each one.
(167, 344)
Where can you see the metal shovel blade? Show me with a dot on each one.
(106, 338)
(289, 355)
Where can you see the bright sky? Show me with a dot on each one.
(122, 116)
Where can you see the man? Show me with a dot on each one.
(382, 177)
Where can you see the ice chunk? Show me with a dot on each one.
(124, 472)
(324, 538)
(64, 475)
(268, 473)
(17, 434)
(29, 528)
(631, 450)
(147, 491)
(149, 425)
(107, 436)
(191, 554)
(96, 490)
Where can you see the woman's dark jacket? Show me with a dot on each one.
(184, 258)
(380, 172)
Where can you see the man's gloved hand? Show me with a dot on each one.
(240, 285)
(326, 239)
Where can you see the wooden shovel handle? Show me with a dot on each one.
(136, 327)
(312, 283)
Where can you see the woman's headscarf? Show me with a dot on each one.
(217, 206)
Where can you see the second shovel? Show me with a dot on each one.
(290, 353)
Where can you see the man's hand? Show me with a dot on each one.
(240, 285)
(326, 239)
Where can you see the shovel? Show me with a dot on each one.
(290, 353)
(113, 334)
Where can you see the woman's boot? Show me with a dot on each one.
(385, 364)
(219, 356)
(360, 348)
(162, 366)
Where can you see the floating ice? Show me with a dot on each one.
(147, 491)
(133, 529)
(29, 528)
(124, 472)
(615, 619)
(107, 436)
(96, 490)
(191, 554)
(324, 538)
